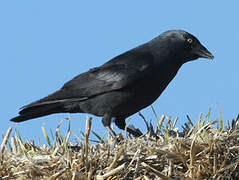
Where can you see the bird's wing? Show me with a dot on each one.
(111, 76)
(120, 72)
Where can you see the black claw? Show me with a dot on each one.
(135, 132)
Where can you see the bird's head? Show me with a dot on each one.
(184, 46)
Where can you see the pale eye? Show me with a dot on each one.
(189, 40)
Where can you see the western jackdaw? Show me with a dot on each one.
(125, 84)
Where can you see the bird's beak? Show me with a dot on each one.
(204, 53)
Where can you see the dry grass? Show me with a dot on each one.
(201, 151)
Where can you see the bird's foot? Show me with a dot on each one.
(135, 132)
(114, 139)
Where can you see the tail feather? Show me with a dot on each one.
(38, 111)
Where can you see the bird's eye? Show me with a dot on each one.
(189, 40)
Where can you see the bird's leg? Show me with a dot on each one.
(120, 122)
(106, 120)
(135, 132)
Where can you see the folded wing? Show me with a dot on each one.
(120, 72)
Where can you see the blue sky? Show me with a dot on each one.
(43, 44)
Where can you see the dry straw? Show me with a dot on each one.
(201, 151)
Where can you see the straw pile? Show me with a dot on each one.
(200, 152)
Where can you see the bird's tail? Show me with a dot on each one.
(38, 110)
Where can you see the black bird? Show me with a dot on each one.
(125, 84)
